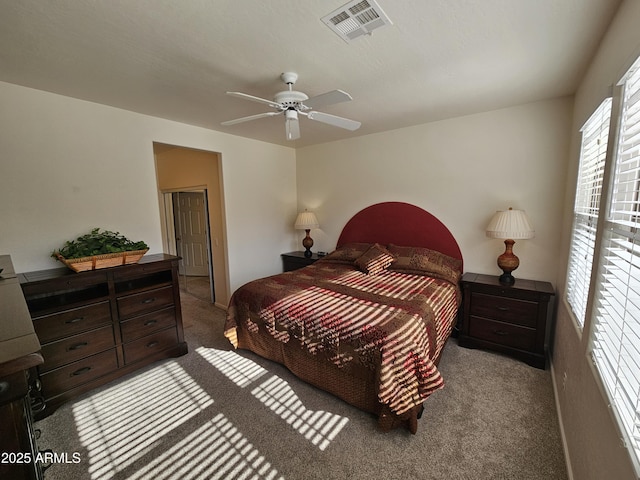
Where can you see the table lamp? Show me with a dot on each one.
(306, 221)
(509, 225)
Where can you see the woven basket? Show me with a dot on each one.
(102, 261)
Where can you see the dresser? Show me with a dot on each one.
(19, 354)
(507, 319)
(295, 260)
(96, 326)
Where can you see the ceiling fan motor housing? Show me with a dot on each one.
(290, 98)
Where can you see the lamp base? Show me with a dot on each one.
(307, 243)
(506, 279)
(508, 262)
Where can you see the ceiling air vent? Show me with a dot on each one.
(356, 18)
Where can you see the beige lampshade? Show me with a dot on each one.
(306, 221)
(511, 224)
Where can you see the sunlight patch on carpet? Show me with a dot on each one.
(121, 424)
(236, 368)
(318, 427)
(216, 450)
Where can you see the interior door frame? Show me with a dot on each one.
(170, 232)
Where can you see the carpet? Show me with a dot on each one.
(216, 413)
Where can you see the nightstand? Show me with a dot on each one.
(296, 260)
(507, 319)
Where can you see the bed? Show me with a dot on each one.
(368, 321)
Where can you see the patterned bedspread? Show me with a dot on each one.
(393, 323)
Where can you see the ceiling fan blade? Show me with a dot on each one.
(264, 101)
(292, 127)
(249, 118)
(334, 120)
(329, 98)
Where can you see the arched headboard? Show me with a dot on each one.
(401, 224)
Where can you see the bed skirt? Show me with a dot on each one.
(353, 382)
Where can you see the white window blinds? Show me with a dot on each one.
(593, 153)
(616, 329)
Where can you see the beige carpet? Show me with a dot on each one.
(216, 413)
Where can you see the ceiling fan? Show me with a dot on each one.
(291, 103)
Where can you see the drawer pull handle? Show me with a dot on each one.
(150, 322)
(4, 387)
(149, 300)
(38, 404)
(35, 386)
(152, 344)
(503, 309)
(501, 333)
(75, 320)
(80, 371)
(78, 346)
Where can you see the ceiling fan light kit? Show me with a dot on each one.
(291, 103)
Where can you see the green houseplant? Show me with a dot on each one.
(100, 249)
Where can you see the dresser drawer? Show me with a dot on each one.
(146, 346)
(62, 379)
(144, 302)
(143, 325)
(511, 310)
(76, 347)
(501, 333)
(70, 322)
(68, 282)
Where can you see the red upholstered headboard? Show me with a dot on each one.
(401, 224)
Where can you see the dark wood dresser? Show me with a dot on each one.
(508, 319)
(19, 353)
(96, 326)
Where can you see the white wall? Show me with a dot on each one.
(68, 165)
(594, 444)
(462, 170)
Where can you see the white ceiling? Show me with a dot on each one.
(175, 59)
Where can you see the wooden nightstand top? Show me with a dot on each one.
(520, 284)
(300, 254)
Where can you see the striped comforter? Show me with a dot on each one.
(393, 323)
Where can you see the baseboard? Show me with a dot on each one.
(563, 437)
(220, 305)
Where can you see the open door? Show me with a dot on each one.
(187, 213)
(190, 216)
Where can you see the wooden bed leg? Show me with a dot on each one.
(413, 424)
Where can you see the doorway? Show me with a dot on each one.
(187, 218)
(187, 170)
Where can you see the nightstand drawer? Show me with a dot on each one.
(502, 333)
(511, 310)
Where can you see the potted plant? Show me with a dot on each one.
(100, 249)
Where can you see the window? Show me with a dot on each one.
(593, 152)
(615, 332)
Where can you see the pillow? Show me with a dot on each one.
(424, 261)
(375, 260)
(347, 253)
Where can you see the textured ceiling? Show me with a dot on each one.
(176, 59)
